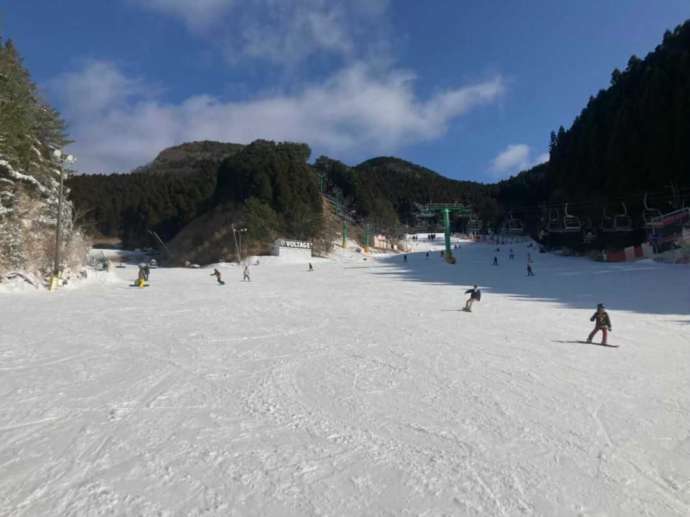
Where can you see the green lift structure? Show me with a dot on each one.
(446, 209)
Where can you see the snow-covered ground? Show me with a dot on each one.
(357, 389)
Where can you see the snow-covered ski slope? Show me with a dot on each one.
(357, 389)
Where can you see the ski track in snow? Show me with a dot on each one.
(358, 389)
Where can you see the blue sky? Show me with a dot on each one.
(471, 89)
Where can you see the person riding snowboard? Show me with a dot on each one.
(602, 322)
(475, 295)
(216, 273)
(141, 277)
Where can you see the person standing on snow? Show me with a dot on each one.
(245, 274)
(475, 295)
(529, 270)
(602, 322)
(216, 273)
(311, 268)
(495, 261)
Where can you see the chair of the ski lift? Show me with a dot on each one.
(571, 223)
(649, 214)
(607, 223)
(622, 222)
(554, 223)
(515, 226)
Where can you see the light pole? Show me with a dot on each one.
(61, 159)
(241, 231)
(238, 250)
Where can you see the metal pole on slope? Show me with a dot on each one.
(446, 223)
(241, 231)
(61, 159)
(237, 249)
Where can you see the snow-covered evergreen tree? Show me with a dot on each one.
(30, 131)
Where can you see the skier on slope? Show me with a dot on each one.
(216, 273)
(601, 322)
(245, 274)
(529, 270)
(495, 261)
(404, 258)
(311, 268)
(475, 295)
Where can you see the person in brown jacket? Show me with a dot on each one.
(602, 322)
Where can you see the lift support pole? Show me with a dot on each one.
(446, 224)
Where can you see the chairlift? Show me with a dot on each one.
(473, 225)
(622, 222)
(649, 214)
(554, 223)
(571, 223)
(607, 222)
(514, 226)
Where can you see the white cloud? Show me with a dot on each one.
(280, 31)
(513, 159)
(355, 110)
(197, 14)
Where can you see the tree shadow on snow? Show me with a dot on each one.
(643, 287)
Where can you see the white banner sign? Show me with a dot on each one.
(293, 244)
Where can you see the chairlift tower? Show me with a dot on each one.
(446, 209)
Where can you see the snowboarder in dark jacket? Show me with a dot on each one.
(601, 322)
(216, 273)
(475, 295)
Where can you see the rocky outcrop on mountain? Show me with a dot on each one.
(189, 158)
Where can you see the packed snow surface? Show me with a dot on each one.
(356, 389)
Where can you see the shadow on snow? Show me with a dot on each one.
(642, 287)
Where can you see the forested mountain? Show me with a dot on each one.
(163, 196)
(187, 181)
(631, 138)
(385, 190)
(30, 130)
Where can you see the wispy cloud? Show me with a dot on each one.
(196, 14)
(513, 159)
(119, 124)
(280, 31)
